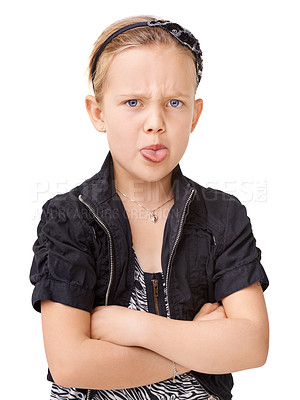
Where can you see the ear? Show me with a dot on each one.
(95, 112)
(197, 112)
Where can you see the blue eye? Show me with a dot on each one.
(132, 103)
(175, 103)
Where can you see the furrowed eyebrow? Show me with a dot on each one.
(141, 95)
(134, 96)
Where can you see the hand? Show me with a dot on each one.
(116, 324)
(210, 311)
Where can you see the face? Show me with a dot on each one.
(149, 98)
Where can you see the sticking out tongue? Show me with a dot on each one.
(155, 155)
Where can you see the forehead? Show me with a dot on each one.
(146, 67)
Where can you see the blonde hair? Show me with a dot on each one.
(132, 38)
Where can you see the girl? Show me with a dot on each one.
(150, 285)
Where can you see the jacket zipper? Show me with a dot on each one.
(175, 245)
(110, 245)
(155, 293)
(211, 396)
(89, 392)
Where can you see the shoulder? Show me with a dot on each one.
(66, 211)
(68, 202)
(215, 205)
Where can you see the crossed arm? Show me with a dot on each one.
(116, 347)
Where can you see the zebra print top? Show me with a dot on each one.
(149, 295)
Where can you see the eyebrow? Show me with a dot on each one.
(142, 95)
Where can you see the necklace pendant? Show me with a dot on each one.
(153, 217)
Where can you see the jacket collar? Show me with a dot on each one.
(99, 189)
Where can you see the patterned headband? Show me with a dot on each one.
(183, 36)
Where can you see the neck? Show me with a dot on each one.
(147, 193)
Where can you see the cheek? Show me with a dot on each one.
(182, 119)
(182, 139)
(119, 122)
(121, 136)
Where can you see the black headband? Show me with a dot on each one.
(183, 36)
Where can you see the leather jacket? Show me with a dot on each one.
(83, 255)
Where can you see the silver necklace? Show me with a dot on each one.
(153, 217)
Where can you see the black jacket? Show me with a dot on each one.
(83, 256)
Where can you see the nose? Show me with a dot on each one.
(155, 122)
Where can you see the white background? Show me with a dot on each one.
(245, 144)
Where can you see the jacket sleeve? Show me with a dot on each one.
(238, 266)
(63, 266)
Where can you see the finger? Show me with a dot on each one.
(208, 308)
(221, 310)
